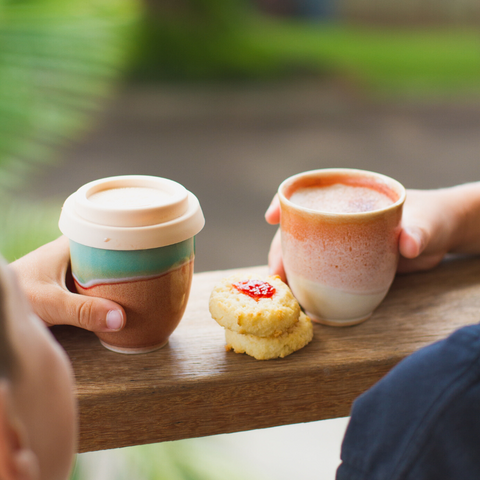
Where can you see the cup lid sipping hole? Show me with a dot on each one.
(131, 212)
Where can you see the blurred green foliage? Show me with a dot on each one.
(201, 40)
(434, 60)
(58, 63)
(192, 459)
(25, 225)
(219, 40)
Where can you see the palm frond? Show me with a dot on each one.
(57, 63)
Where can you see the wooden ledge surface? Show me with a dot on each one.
(192, 387)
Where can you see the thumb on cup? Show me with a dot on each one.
(90, 313)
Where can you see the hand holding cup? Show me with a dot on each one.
(132, 241)
(339, 235)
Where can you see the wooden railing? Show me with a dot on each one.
(192, 387)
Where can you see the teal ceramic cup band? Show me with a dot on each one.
(94, 266)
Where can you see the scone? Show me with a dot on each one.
(261, 316)
(254, 305)
(266, 348)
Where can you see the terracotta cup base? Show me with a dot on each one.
(133, 350)
(339, 323)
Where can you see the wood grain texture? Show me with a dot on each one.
(193, 387)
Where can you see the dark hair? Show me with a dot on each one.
(7, 357)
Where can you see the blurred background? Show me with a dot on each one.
(229, 97)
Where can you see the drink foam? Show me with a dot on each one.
(340, 198)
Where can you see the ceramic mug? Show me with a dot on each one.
(340, 258)
(132, 240)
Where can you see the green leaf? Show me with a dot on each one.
(58, 63)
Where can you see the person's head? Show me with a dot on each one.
(38, 424)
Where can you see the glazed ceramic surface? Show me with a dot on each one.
(152, 285)
(132, 240)
(340, 265)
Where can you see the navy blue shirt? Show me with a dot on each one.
(422, 420)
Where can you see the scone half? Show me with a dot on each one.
(266, 348)
(263, 317)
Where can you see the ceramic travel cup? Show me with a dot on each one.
(132, 240)
(339, 231)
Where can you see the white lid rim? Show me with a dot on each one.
(94, 235)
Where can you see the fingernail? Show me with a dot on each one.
(114, 320)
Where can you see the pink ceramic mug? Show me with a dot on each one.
(340, 230)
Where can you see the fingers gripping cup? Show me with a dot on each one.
(132, 240)
(340, 230)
